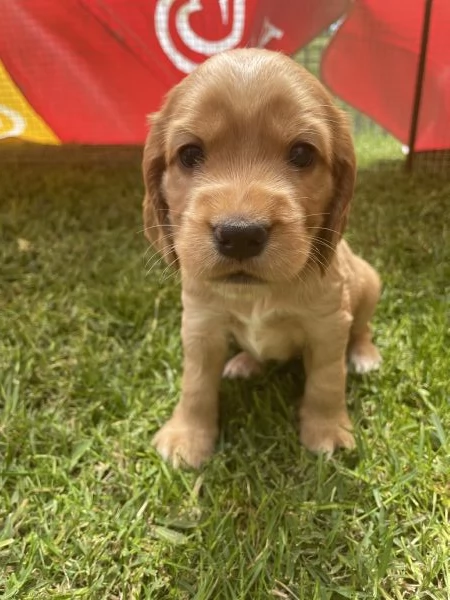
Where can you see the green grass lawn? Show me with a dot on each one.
(90, 361)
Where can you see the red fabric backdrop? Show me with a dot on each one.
(92, 69)
(372, 64)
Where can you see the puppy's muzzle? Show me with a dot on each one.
(240, 239)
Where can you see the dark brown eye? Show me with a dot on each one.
(302, 155)
(191, 156)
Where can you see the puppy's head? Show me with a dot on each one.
(249, 170)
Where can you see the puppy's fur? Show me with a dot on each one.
(306, 293)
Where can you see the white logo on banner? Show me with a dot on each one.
(15, 123)
(269, 33)
(195, 42)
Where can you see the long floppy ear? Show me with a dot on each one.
(344, 175)
(156, 216)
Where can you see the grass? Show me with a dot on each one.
(90, 368)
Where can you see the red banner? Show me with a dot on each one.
(372, 64)
(89, 71)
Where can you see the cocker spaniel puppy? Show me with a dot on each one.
(249, 170)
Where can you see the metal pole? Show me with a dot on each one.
(419, 84)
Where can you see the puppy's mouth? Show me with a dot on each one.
(240, 277)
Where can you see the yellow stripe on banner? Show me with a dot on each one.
(17, 117)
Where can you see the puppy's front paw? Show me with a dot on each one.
(182, 444)
(364, 357)
(242, 365)
(324, 435)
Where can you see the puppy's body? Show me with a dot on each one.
(272, 322)
(248, 193)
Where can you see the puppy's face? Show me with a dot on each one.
(249, 170)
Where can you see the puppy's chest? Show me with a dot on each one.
(269, 335)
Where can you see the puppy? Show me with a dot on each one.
(249, 170)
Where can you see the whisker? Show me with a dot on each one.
(326, 244)
(156, 253)
(322, 214)
(156, 227)
(158, 261)
(159, 258)
(167, 273)
(323, 228)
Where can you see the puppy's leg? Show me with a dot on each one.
(363, 354)
(190, 434)
(324, 421)
(242, 365)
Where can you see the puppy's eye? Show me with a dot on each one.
(302, 155)
(191, 156)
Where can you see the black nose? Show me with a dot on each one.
(240, 239)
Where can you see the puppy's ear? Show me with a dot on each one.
(156, 215)
(344, 174)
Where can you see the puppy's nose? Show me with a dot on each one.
(240, 239)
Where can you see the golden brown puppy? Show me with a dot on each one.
(249, 170)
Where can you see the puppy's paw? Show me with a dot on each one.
(182, 444)
(325, 435)
(364, 357)
(243, 365)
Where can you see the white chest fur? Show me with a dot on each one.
(269, 335)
